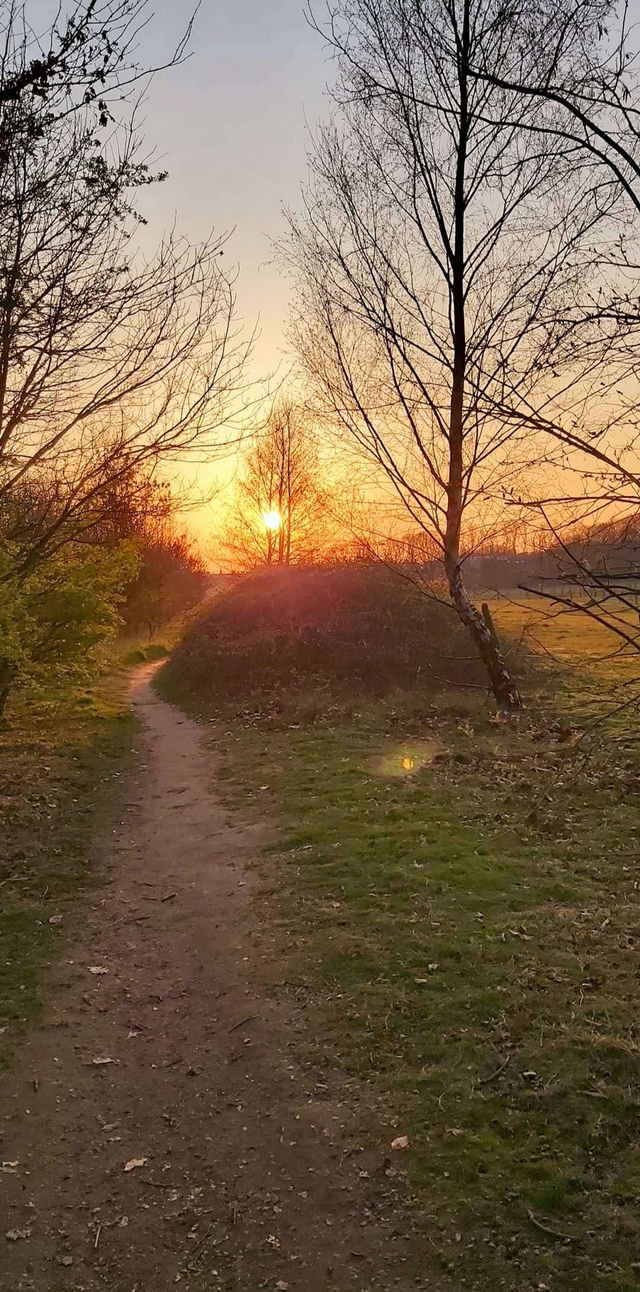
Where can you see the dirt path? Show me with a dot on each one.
(239, 1180)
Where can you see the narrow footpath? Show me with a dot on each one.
(156, 1129)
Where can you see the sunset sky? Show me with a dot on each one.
(230, 128)
(232, 125)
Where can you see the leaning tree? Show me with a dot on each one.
(449, 262)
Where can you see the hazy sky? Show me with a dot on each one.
(230, 127)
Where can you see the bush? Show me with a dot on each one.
(56, 618)
(359, 628)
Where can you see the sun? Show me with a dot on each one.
(272, 519)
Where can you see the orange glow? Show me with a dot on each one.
(272, 519)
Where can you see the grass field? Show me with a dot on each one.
(568, 637)
(61, 760)
(458, 905)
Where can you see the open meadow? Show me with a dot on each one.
(457, 903)
(582, 643)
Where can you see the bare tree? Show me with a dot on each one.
(111, 361)
(107, 359)
(278, 514)
(578, 63)
(86, 57)
(579, 56)
(590, 570)
(447, 260)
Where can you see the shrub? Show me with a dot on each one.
(360, 628)
(56, 618)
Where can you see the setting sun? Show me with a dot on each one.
(272, 519)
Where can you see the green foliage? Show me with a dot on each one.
(141, 654)
(170, 580)
(56, 617)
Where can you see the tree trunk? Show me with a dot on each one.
(7, 675)
(480, 629)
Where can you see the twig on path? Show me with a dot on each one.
(551, 1233)
(198, 1251)
(348, 1152)
(98, 1233)
(168, 897)
(484, 1081)
(248, 1019)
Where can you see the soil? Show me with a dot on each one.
(159, 1128)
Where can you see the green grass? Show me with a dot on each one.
(60, 765)
(133, 649)
(570, 637)
(143, 654)
(466, 941)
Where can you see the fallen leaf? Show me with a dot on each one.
(100, 1060)
(97, 969)
(134, 1162)
(123, 1222)
(281, 1285)
(14, 1234)
(401, 1141)
(273, 1241)
(10, 1166)
(67, 1260)
(56, 919)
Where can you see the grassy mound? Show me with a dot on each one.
(360, 629)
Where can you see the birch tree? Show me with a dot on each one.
(447, 257)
